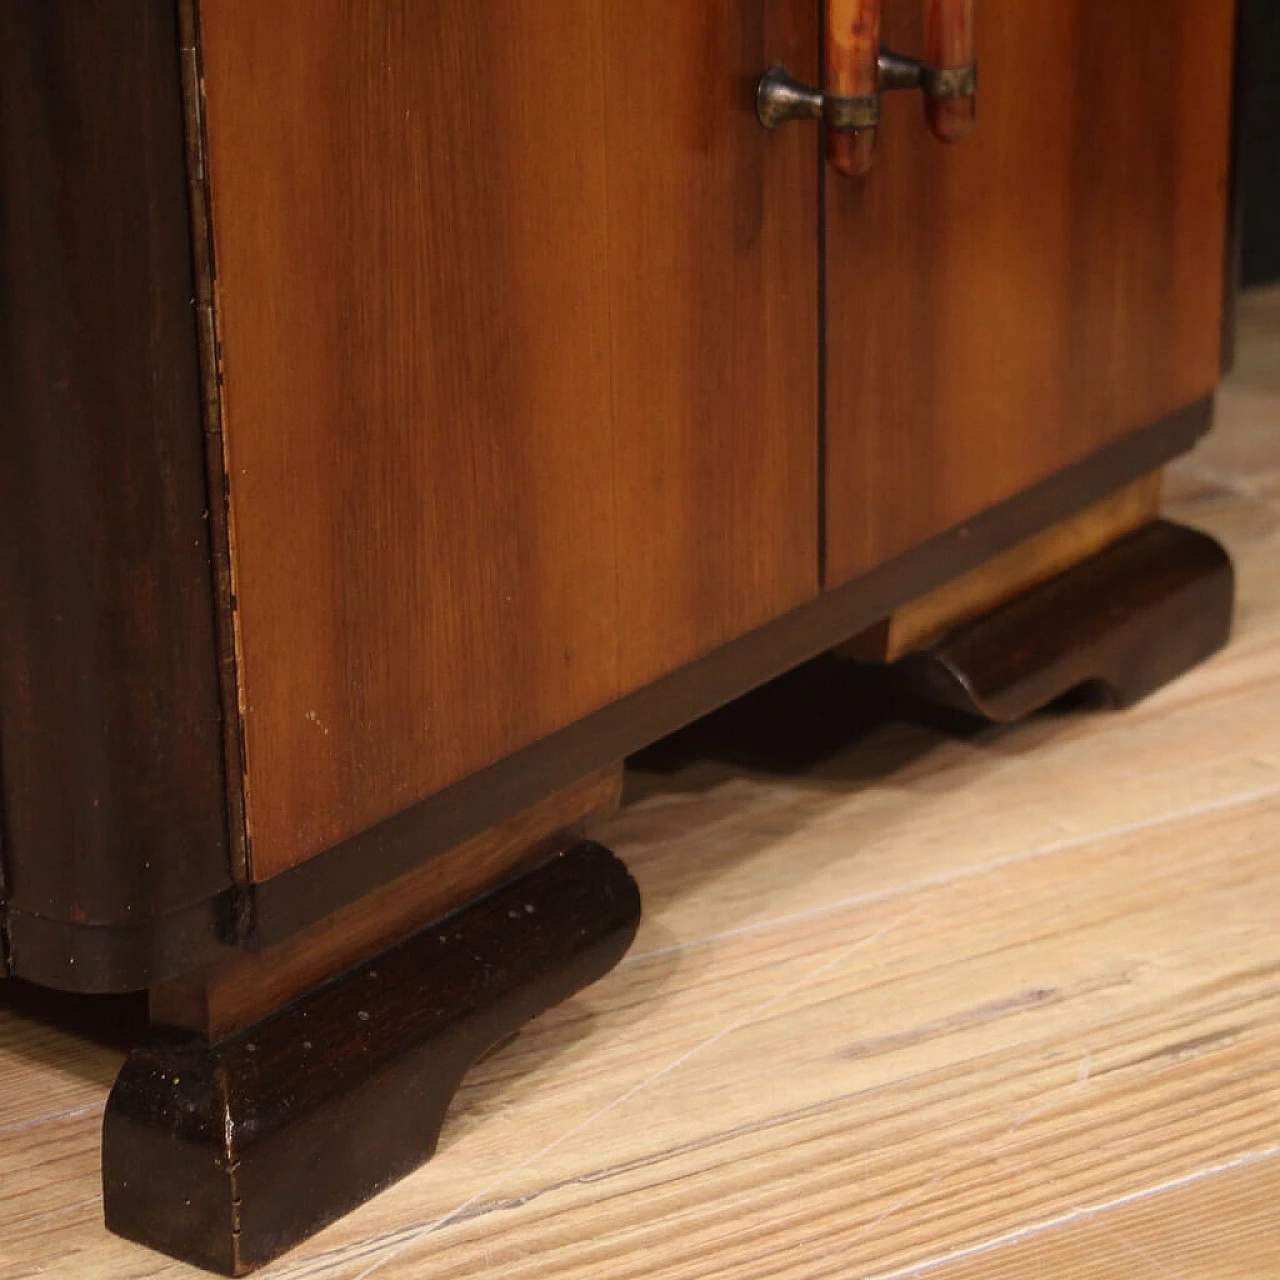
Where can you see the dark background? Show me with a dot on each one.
(1260, 141)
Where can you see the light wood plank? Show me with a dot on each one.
(1096, 1023)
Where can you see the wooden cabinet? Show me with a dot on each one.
(408, 410)
(535, 400)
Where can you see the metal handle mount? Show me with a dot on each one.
(780, 97)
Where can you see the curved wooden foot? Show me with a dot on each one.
(226, 1155)
(1127, 620)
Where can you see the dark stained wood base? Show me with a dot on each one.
(227, 1155)
(1125, 621)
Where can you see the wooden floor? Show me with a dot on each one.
(1003, 1004)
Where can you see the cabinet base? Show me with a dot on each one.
(1123, 622)
(226, 1155)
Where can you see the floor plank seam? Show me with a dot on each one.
(1073, 1216)
(35, 1122)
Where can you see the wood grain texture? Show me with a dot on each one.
(316, 888)
(113, 793)
(1215, 1225)
(1061, 996)
(495, 458)
(248, 985)
(227, 1155)
(999, 309)
(1031, 562)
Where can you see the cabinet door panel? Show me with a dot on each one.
(999, 309)
(713, 244)
(518, 320)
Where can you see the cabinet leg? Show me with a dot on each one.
(226, 1155)
(1126, 621)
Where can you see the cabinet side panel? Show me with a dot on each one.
(113, 784)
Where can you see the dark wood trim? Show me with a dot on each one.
(110, 724)
(116, 958)
(205, 268)
(313, 890)
(227, 1155)
(1124, 622)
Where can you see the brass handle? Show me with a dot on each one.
(855, 79)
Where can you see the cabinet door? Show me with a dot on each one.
(518, 314)
(1001, 308)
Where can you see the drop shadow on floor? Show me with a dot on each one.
(84, 1036)
(832, 726)
(795, 725)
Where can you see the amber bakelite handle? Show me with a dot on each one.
(852, 71)
(950, 41)
(856, 70)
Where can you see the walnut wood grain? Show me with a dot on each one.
(248, 985)
(316, 888)
(154, 949)
(496, 457)
(228, 1155)
(998, 310)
